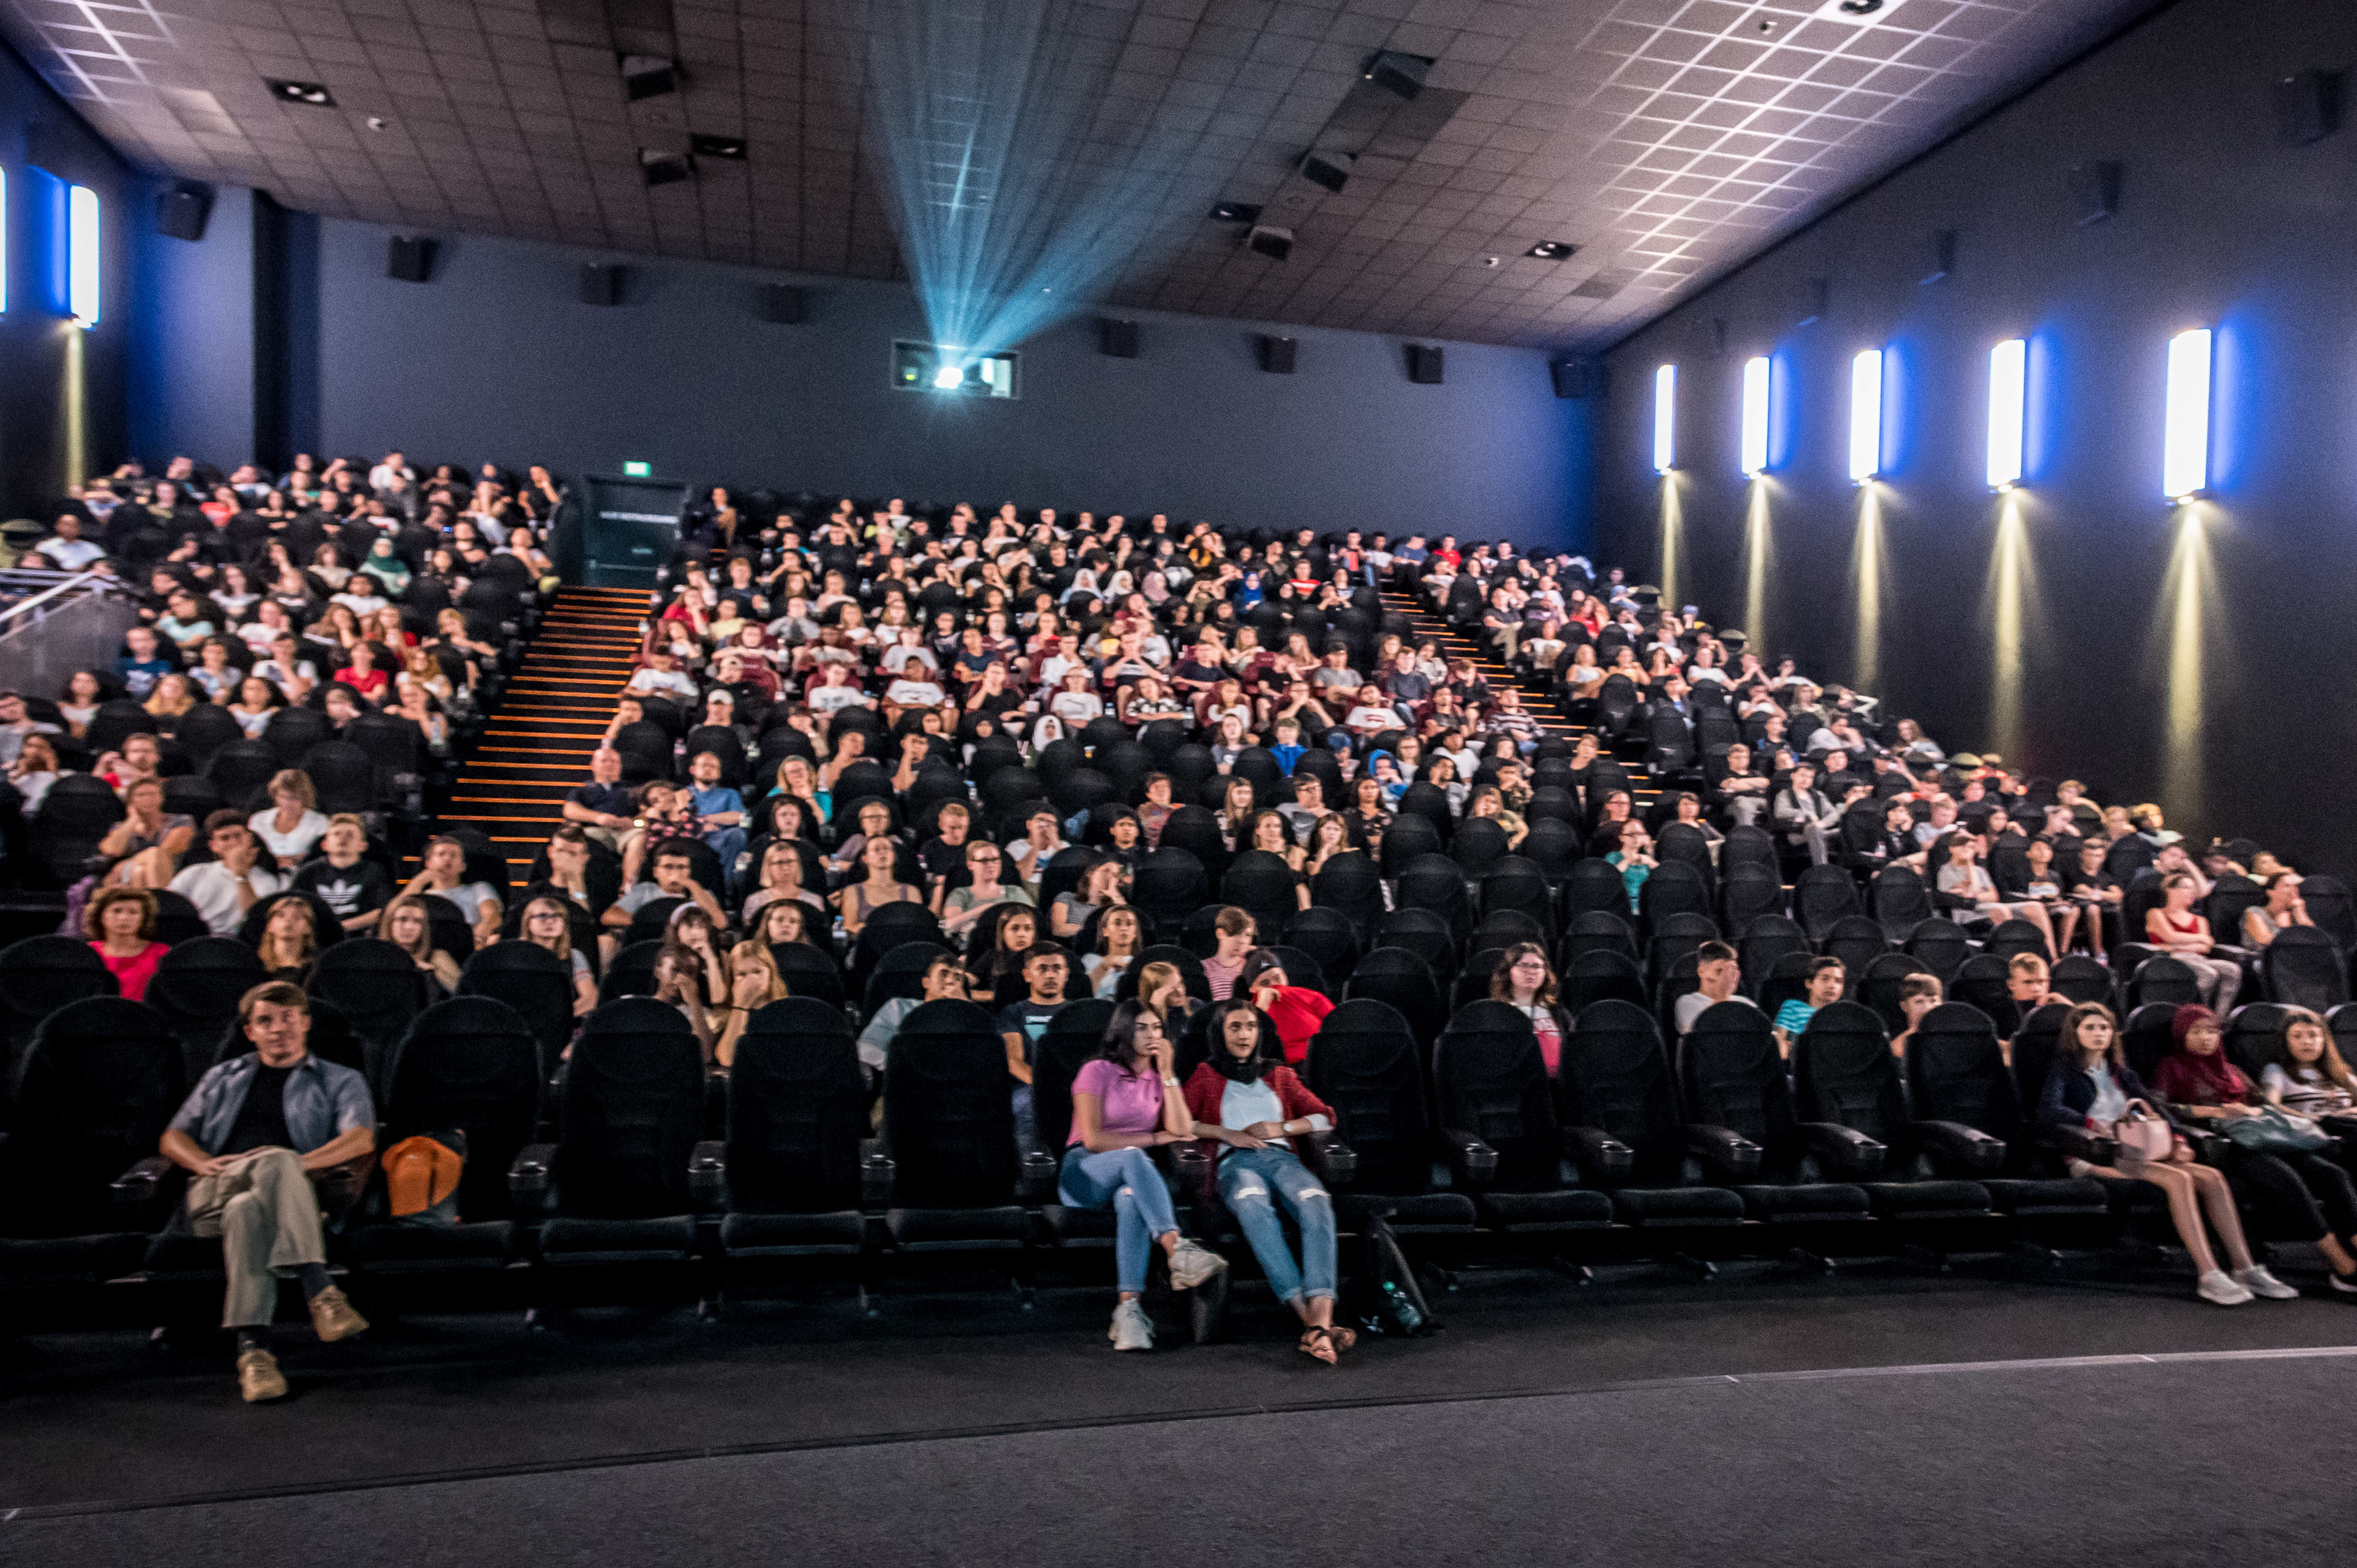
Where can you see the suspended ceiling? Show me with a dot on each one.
(1663, 139)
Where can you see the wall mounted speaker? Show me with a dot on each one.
(1267, 240)
(1943, 256)
(411, 261)
(2094, 192)
(1399, 73)
(1423, 364)
(1580, 378)
(785, 303)
(602, 285)
(1331, 170)
(1277, 355)
(1116, 340)
(181, 212)
(2307, 106)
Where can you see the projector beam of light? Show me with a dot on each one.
(1866, 566)
(2009, 593)
(949, 378)
(1673, 526)
(1866, 416)
(1017, 183)
(1665, 419)
(2009, 403)
(1755, 416)
(2186, 591)
(1755, 568)
(2185, 441)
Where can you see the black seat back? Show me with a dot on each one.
(1596, 931)
(1615, 1076)
(99, 1085)
(1073, 1038)
(797, 1111)
(1261, 884)
(1857, 941)
(1598, 976)
(1435, 882)
(948, 1116)
(1426, 933)
(1956, 1072)
(1877, 989)
(1843, 1072)
(196, 987)
(379, 990)
(1821, 895)
(1364, 1063)
(530, 979)
(470, 1064)
(2304, 967)
(632, 1109)
(1939, 946)
(1732, 1076)
(1402, 981)
(2251, 1037)
(809, 970)
(1770, 940)
(1900, 901)
(1489, 1080)
(2163, 978)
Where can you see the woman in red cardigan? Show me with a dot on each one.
(1248, 1107)
(1296, 1010)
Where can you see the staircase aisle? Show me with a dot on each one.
(536, 747)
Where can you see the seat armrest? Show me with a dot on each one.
(1472, 1161)
(877, 1171)
(1600, 1155)
(2078, 1143)
(1968, 1149)
(1336, 1162)
(1846, 1148)
(532, 1180)
(707, 1176)
(1035, 1180)
(1726, 1152)
(139, 1191)
(2208, 1147)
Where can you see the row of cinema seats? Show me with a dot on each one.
(632, 1172)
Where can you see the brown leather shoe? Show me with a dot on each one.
(258, 1377)
(333, 1318)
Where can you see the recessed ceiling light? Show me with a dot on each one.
(1236, 213)
(309, 92)
(731, 147)
(1553, 250)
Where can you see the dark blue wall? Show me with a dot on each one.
(495, 357)
(2219, 224)
(45, 148)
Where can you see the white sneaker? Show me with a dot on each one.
(2259, 1282)
(2219, 1288)
(1191, 1265)
(1132, 1329)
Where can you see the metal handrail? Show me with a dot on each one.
(62, 587)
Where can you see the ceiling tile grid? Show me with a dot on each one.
(1663, 139)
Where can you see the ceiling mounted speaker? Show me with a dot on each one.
(1580, 378)
(1331, 170)
(659, 167)
(2094, 192)
(1116, 340)
(1399, 73)
(410, 261)
(648, 75)
(602, 285)
(1269, 241)
(2307, 106)
(1423, 364)
(181, 212)
(1277, 355)
(785, 303)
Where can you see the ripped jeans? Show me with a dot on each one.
(1252, 1183)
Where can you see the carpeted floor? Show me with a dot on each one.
(1634, 1421)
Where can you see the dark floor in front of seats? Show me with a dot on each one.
(97, 1425)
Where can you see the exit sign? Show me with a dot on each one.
(637, 471)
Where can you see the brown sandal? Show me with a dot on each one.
(1344, 1338)
(1319, 1344)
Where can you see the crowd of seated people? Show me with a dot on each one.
(1201, 774)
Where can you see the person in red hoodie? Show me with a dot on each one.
(1248, 1107)
(1296, 1010)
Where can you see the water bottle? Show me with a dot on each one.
(1402, 1310)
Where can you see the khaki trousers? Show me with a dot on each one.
(265, 1211)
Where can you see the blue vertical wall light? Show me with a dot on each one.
(83, 255)
(1866, 416)
(1755, 417)
(1665, 419)
(2009, 403)
(3, 240)
(2185, 437)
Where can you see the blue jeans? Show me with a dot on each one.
(1026, 1123)
(1125, 1181)
(1252, 1183)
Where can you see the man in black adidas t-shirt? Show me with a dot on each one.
(356, 890)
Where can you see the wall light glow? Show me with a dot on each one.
(1755, 415)
(1673, 526)
(4, 240)
(1866, 416)
(81, 254)
(2008, 406)
(1665, 419)
(2185, 446)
